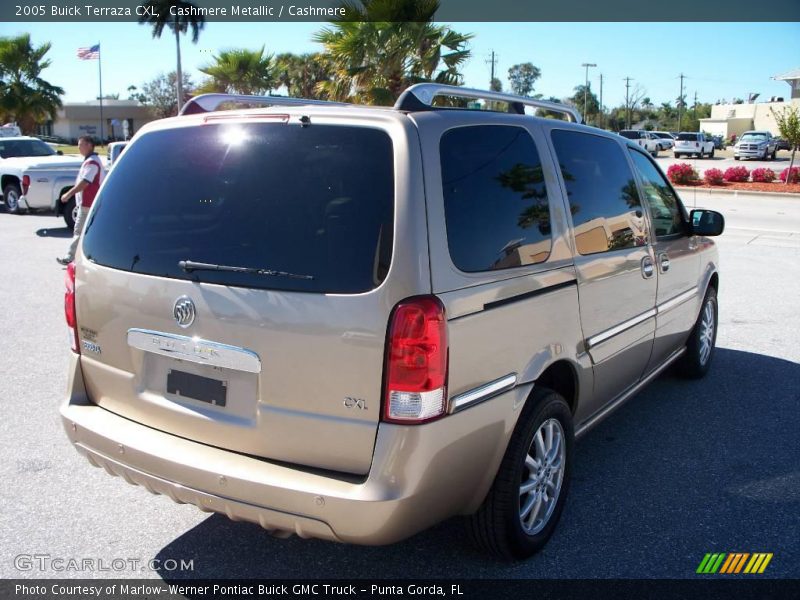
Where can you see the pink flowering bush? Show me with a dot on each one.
(736, 174)
(713, 176)
(682, 173)
(762, 175)
(795, 175)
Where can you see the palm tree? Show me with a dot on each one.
(240, 71)
(302, 74)
(387, 45)
(24, 96)
(179, 23)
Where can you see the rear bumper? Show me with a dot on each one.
(419, 475)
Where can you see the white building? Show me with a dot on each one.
(734, 119)
(121, 119)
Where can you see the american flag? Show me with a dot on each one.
(90, 53)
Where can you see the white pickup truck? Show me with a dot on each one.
(21, 156)
(691, 142)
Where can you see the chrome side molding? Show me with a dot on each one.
(196, 350)
(479, 394)
(616, 330)
(676, 301)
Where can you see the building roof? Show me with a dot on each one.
(789, 75)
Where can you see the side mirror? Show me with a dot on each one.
(59, 152)
(706, 222)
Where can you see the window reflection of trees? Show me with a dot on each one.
(521, 186)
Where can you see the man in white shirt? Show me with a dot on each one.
(85, 189)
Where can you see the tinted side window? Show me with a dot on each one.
(603, 197)
(495, 199)
(665, 207)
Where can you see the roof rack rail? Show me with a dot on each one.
(211, 102)
(420, 97)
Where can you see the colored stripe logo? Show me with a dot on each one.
(733, 563)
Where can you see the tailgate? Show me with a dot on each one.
(261, 373)
(241, 296)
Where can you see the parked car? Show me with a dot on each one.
(782, 144)
(665, 139)
(351, 323)
(755, 144)
(719, 142)
(17, 154)
(645, 139)
(114, 151)
(692, 143)
(43, 186)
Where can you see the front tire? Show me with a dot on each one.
(700, 346)
(11, 194)
(525, 502)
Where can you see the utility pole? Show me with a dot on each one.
(586, 87)
(602, 114)
(627, 104)
(695, 106)
(492, 61)
(680, 102)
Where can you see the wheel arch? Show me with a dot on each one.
(9, 179)
(561, 376)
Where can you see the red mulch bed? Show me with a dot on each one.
(749, 186)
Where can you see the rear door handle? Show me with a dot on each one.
(647, 267)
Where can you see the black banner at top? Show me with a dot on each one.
(449, 11)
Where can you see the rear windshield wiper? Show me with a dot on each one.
(190, 265)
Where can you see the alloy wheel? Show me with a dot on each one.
(707, 332)
(542, 477)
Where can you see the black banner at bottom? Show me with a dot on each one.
(583, 589)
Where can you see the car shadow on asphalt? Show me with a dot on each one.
(685, 468)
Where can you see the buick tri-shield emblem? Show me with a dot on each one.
(183, 311)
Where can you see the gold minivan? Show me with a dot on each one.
(351, 323)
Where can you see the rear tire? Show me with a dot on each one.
(523, 506)
(676, 155)
(11, 194)
(712, 153)
(70, 213)
(696, 361)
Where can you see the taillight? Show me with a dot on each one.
(69, 306)
(416, 362)
(26, 183)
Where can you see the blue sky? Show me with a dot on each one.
(720, 60)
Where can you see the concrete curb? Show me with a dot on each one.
(718, 192)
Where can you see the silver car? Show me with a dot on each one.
(352, 322)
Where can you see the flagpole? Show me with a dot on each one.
(100, 73)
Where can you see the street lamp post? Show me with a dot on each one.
(586, 87)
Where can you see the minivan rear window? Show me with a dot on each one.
(687, 137)
(313, 207)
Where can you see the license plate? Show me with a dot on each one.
(197, 387)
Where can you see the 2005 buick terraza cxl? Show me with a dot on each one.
(352, 322)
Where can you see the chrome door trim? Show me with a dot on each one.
(620, 400)
(676, 301)
(606, 335)
(481, 393)
(192, 349)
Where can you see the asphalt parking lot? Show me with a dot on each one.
(684, 469)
